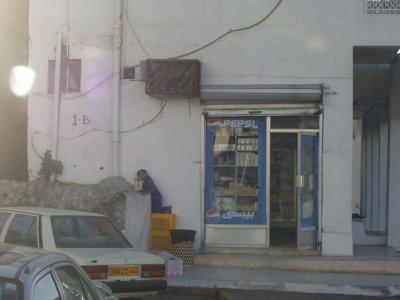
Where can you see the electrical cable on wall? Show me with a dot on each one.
(220, 37)
(230, 31)
(127, 22)
(163, 105)
(262, 20)
(83, 94)
(89, 90)
(138, 40)
(33, 145)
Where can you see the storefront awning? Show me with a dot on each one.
(262, 99)
(258, 94)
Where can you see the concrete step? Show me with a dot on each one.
(287, 281)
(261, 251)
(359, 265)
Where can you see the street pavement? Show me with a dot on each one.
(224, 294)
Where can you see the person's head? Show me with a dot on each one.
(141, 174)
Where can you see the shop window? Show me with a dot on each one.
(302, 122)
(235, 171)
(70, 76)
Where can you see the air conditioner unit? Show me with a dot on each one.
(171, 78)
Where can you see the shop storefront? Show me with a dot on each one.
(262, 177)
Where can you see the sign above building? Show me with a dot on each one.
(172, 78)
(383, 7)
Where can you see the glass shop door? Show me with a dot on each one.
(283, 197)
(307, 190)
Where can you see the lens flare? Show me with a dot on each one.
(21, 80)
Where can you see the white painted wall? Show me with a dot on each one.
(394, 161)
(304, 41)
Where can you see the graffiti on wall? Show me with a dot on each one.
(78, 120)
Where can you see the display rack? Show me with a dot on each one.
(236, 172)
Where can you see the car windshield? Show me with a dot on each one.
(8, 290)
(86, 232)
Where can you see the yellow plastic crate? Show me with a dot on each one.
(160, 241)
(160, 225)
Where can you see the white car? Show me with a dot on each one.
(92, 240)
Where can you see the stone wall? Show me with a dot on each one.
(107, 197)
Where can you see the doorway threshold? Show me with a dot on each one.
(257, 250)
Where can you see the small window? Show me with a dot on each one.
(23, 231)
(74, 285)
(70, 76)
(46, 289)
(3, 219)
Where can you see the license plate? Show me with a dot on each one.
(124, 271)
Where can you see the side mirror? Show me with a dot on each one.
(105, 291)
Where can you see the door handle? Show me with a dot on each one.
(299, 181)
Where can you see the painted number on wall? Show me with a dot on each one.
(80, 120)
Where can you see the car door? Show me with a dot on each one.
(23, 230)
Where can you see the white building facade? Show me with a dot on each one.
(263, 156)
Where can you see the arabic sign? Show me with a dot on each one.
(383, 7)
(215, 216)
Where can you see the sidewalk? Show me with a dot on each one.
(366, 260)
(373, 271)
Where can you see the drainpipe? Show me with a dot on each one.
(116, 88)
(57, 97)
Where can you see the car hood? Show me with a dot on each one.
(110, 256)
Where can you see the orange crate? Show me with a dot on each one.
(160, 225)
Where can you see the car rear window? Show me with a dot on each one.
(86, 232)
(8, 290)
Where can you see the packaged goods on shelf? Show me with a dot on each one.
(244, 190)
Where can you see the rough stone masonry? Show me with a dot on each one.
(108, 197)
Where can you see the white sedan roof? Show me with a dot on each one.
(49, 211)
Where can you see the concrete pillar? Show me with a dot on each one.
(337, 170)
(357, 134)
(394, 161)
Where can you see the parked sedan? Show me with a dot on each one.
(33, 274)
(92, 240)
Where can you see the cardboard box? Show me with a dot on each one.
(173, 264)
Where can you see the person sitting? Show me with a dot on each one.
(148, 187)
